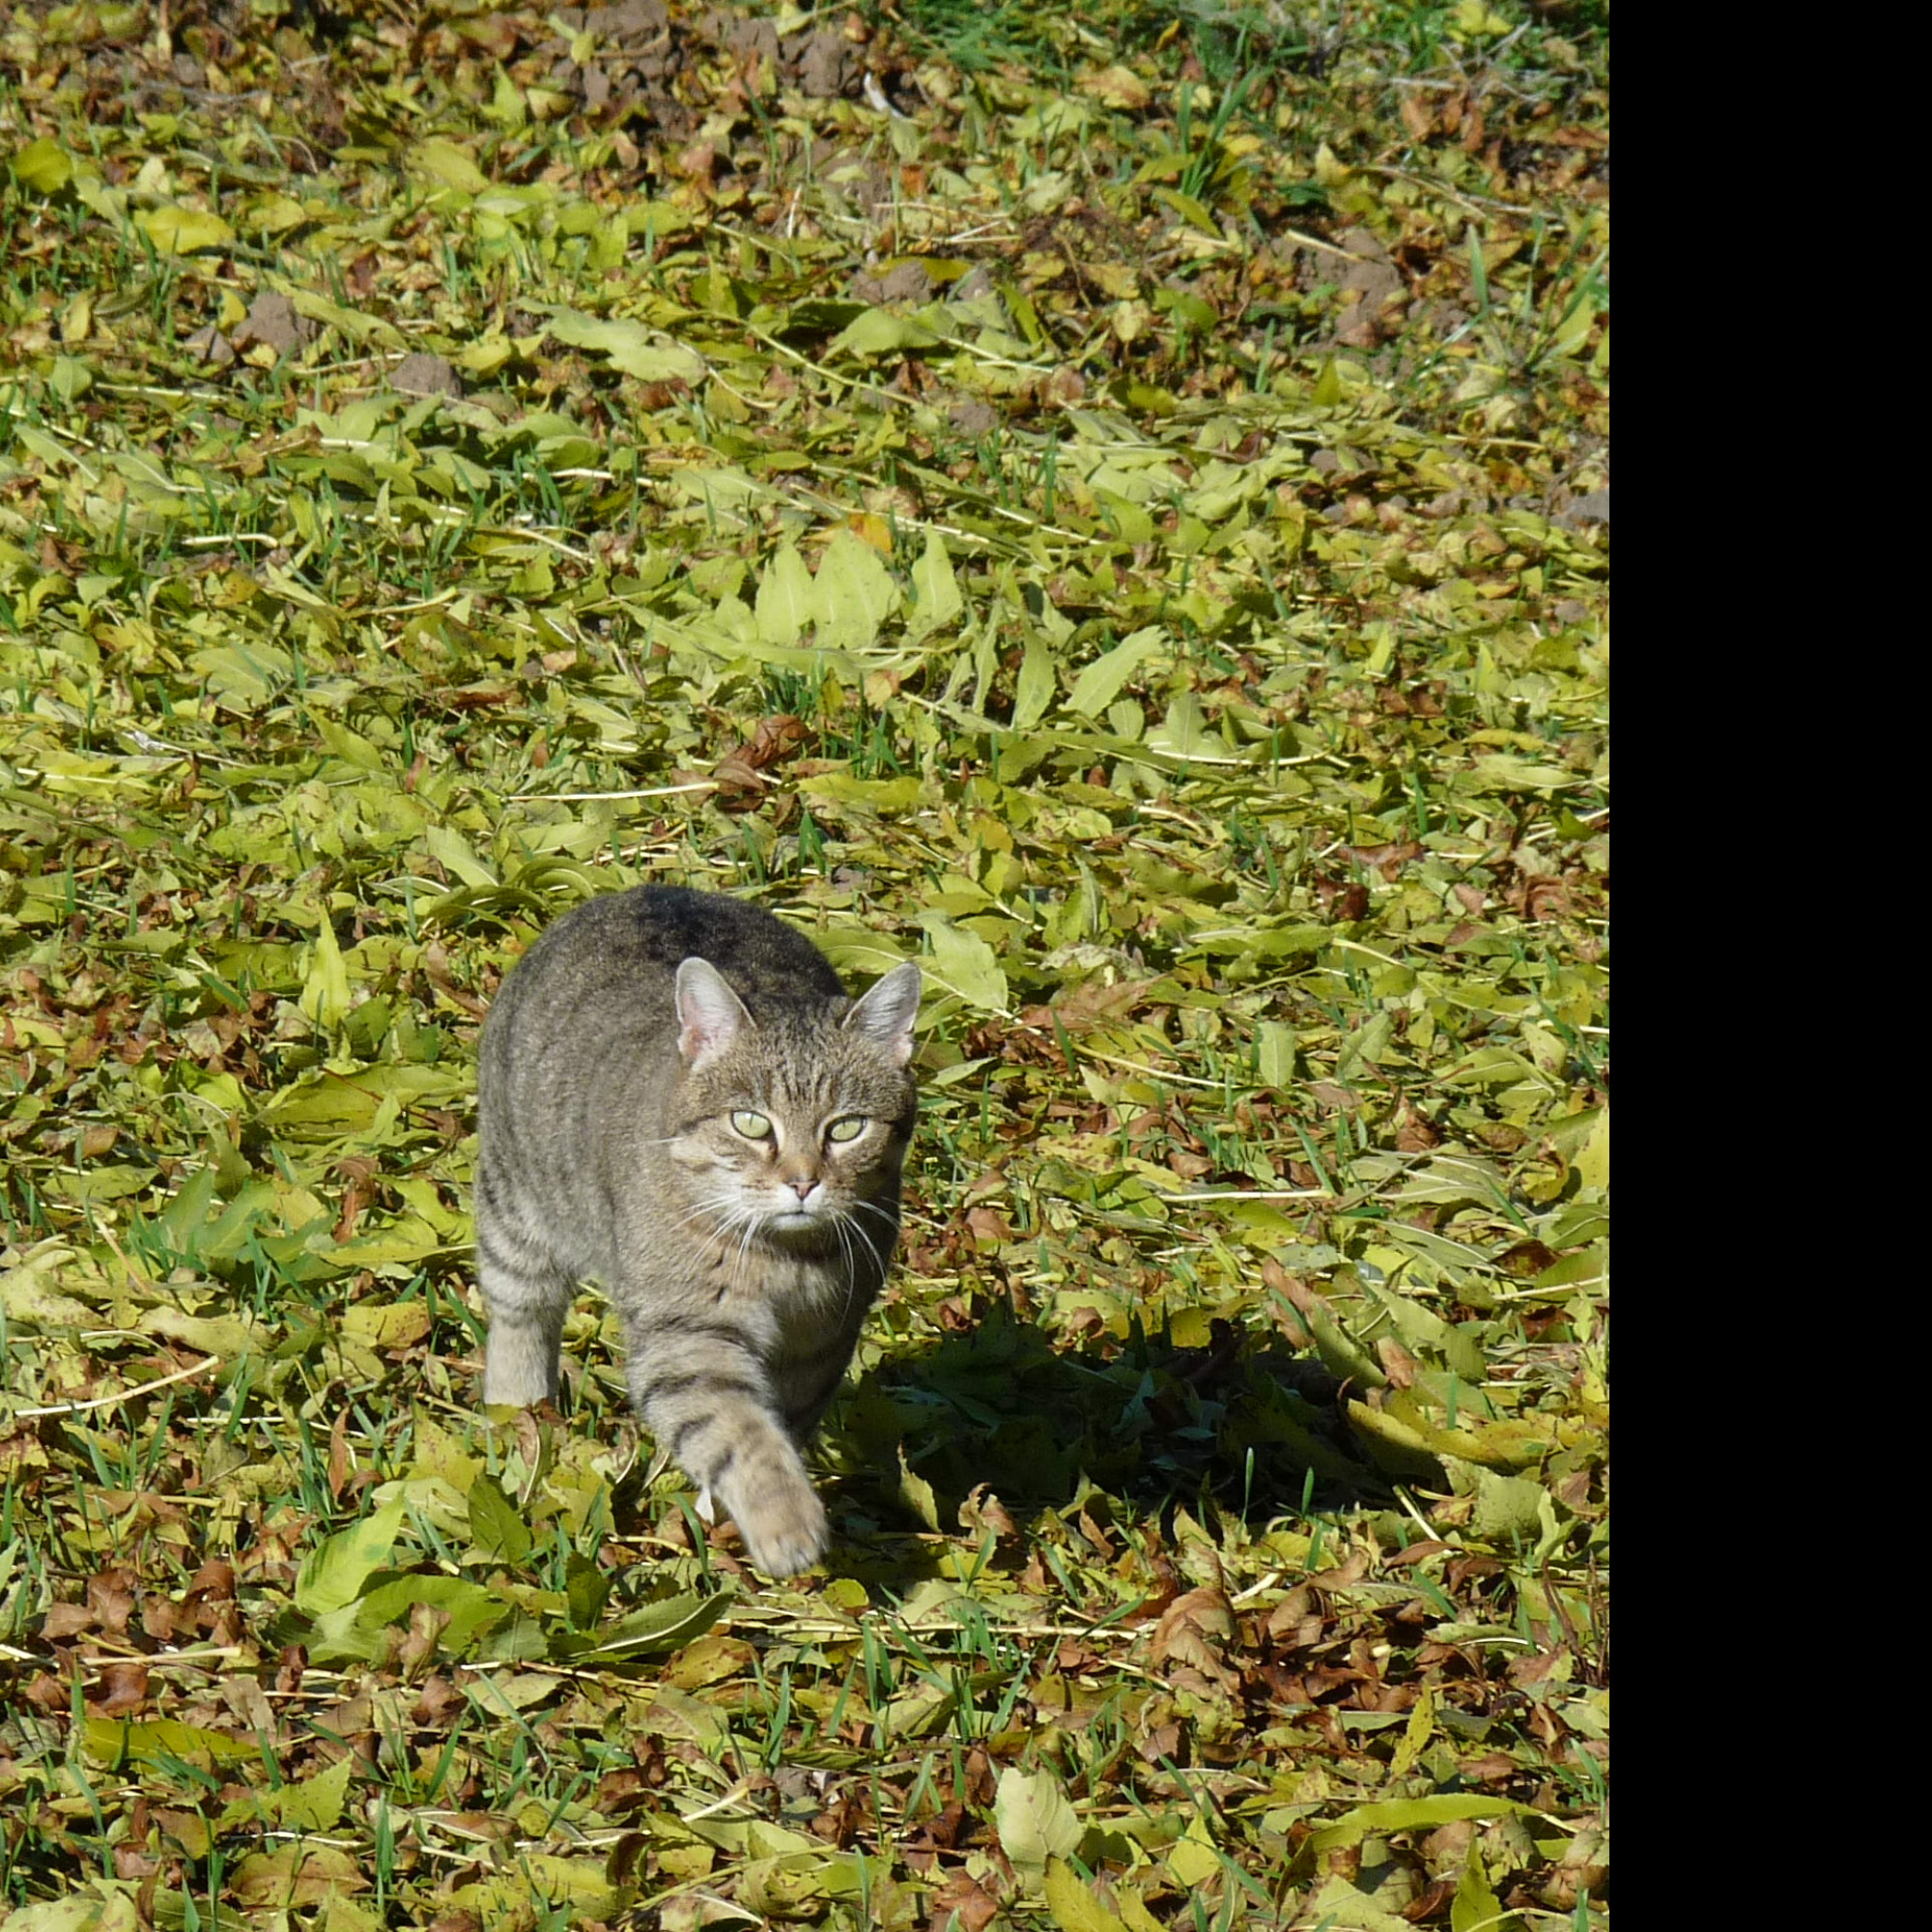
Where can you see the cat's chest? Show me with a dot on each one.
(789, 1286)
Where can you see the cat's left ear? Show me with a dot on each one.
(887, 1010)
(710, 1016)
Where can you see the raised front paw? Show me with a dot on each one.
(783, 1523)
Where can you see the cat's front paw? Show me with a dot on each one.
(784, 1525)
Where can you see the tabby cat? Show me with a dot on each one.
(677, 1098)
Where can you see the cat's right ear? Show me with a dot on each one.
(710, 1016)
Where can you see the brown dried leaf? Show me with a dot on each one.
(110, 1597)
(1194, 1630)
(962, 1904)
(65, 1620)
(122, 1688)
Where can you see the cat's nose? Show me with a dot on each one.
(803, 1189)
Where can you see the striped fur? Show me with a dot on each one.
(678, 1100)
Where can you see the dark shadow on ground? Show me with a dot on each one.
(1241, 1422)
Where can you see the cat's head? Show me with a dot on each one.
(796, 1125)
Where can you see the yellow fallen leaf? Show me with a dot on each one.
(1118, 87)
(183, 230)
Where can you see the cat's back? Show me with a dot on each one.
(620, 952)
(759, 954)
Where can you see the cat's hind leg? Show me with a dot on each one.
(527, 1292)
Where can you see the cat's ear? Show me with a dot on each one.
(710, 1016)
(887, 1010)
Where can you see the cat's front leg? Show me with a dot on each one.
(765, 1490)
(705, 1396)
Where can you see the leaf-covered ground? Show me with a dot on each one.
(1110, 501)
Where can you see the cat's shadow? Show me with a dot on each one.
(989, 1418)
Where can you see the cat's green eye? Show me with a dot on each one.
(847, 1129)
(754, 1126)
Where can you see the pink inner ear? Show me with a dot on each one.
(708, 1013)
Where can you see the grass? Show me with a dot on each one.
(1122, 527)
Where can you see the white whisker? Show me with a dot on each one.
(855, 1296)
(878, 1259)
